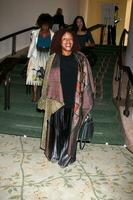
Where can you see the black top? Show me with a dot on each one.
(82, 39)
(69, 72)
(58, 19)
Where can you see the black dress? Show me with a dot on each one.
(60, 122)
(82, 39)
(59, 19)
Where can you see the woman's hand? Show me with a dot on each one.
(89, 44)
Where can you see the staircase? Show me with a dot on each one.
(23, 118)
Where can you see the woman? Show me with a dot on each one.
(112, 28)
(58, 19)
(83, 35)
(39, 52)
(67, 98)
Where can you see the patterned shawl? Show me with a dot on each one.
(52, 96)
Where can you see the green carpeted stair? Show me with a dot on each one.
(23, 118)
(107, 124)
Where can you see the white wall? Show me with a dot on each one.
(16, 15)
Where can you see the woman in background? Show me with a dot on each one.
(67, 98)
(84, 36)
(85, 39)
(58, 18)
(39, 52)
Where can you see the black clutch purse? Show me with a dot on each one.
(86, 132)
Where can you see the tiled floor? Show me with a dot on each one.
(101, 172)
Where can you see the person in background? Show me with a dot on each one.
(112, 29)
(84, 36)
(67, 98)
(38, 53)
(58, 20)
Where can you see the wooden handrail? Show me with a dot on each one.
(122, 49)
(128, 89)
(13, 36)
(122, 38)
(97, 26)
(123, 69)
(17, 33)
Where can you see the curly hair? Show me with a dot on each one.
(56, 41)
(74, 25)
(44, 18)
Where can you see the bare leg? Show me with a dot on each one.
(39, 89)
(34, 93)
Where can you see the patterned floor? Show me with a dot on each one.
(101, 172)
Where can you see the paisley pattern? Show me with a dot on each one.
(101, 172)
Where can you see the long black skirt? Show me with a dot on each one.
(60, 127)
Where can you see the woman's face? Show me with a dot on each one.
(67, 43)
(79, 23)
(45, 27)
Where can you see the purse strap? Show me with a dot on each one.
(83, 143)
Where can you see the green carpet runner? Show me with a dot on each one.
(107, 124)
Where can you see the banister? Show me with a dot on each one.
(13, 36)
(122, 38)
(128, 91)
(92, 28)
(17, 33)
(97, 26)
(121, 69)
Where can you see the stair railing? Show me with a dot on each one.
(97, 26)
(123, 73)
(129, 90)
(14, 36)
(7, 64)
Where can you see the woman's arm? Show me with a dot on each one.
(91, 42)
(33, 39)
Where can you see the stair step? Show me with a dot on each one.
(21, 125)
(107, 132)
